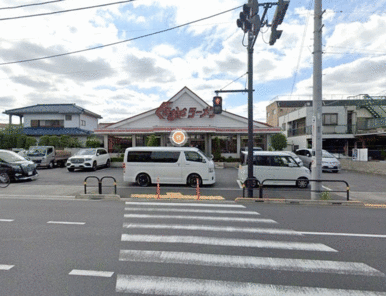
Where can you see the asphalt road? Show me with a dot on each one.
(60, 182)
(132, 247)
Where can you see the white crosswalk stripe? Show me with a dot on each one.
(192, 287)
(156, 218)
(212, 228)
(215, 241)
(300, 265)
(208, 218)
(183, 204)
(140, 209)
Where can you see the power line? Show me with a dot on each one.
(119, 42)
(63, 11)
(33, 4)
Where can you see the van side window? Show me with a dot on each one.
(153, 156)
(193, 156)
(165, 156)
(261, 160)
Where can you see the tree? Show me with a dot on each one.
(152, 141)
(279, 142)
(93, 142)
(54, 141)
(216, 148)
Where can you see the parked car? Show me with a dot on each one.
(297, 159)
(245, 149)
(329, 162)
(16, 166)
(89, 158)
(276, 167)
(47, 156)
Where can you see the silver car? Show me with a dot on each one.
(329, 162)
(294, 156)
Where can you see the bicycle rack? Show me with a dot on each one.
(261, 185)
(100, 181)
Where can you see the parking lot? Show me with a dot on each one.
(58, 182)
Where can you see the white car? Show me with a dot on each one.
(89, 158)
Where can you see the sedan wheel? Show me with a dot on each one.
(94, 166)
(302, 183)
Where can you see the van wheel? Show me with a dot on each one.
(192, 180)
(302, 182)
(143, 180)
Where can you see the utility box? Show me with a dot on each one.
(360, 154)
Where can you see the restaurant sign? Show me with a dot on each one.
(165, 111)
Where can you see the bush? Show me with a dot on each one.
(93, 142)
(117, 159)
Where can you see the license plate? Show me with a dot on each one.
(29, 173)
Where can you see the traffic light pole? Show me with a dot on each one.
(250, 183)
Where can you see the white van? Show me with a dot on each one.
(277, 166)
(169, 165)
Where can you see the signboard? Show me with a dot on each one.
(178, 137)
(165, 111)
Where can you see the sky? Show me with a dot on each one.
(142, 59)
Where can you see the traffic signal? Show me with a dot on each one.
(217, 105)
(278, 17)
(249, 19)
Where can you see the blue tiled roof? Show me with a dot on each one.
(51, 109)
(55, 131)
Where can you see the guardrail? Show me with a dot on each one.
(261, 185)
(100, 181)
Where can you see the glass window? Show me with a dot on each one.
(193, 156)
(68, 117)
(330, 119)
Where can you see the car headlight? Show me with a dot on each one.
(88, 159)
(17, 168)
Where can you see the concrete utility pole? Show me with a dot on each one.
(317, 103)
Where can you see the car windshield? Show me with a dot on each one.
(325, 154)
(86, 152)
(36, 152)
(9, 156)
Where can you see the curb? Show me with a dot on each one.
(98, 196)
(301, 201)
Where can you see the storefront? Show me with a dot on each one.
(186, 111)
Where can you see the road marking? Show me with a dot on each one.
(344, 234)
(229, 242)
(66, 222)
(192, 211)
(7, 220)
(187, 287)
(184, 204)
(209, 218)
(212, 228)
(6, 267)
(297, 265)
(91, 273)
(325, 187)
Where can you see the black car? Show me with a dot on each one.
(16, 166)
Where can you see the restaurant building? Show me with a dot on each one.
(187, 112)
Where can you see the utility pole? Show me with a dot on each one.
(316, 173)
